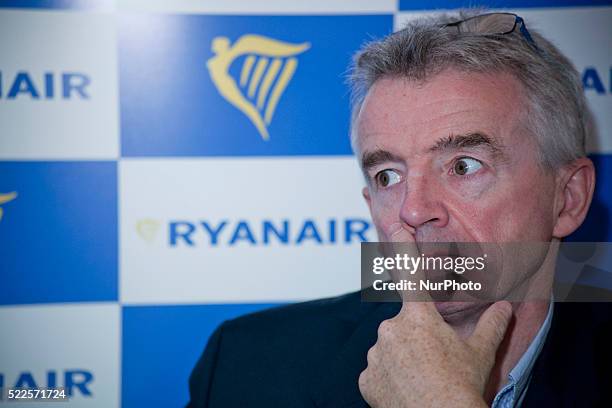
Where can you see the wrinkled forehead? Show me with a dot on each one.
(411, 114)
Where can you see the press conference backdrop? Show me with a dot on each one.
(165, 166)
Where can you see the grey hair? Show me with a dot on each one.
(556, 113)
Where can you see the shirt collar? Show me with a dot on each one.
(521, 373)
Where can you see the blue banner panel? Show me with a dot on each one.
(57, 4)
(164, 343)
(238, 85)
(58, 232)
(597, 226)
(455, 4)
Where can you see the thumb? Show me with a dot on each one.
(398, 234)
(491, 329)
(399, 240)
(402, 241)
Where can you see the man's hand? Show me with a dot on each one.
(419, 360)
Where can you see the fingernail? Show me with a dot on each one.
(506, 307)
(395, 228)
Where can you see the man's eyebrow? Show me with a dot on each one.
(372, 159)
(469, 140)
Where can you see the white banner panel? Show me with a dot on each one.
(584, 35)
(240, 230)
(58, 85)
(260, 7)
(70, 346)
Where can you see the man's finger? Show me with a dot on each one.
(491, 329)
(403, 242)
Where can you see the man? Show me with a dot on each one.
(468, 128)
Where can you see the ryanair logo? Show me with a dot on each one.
(266, 71)
(5, 198)
(261, 232)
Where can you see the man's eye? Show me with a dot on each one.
(466, 165)
(387, 178)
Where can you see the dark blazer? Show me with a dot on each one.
(311, 354)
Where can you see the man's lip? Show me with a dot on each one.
(440, 254)
(456, 251)
(440, 249)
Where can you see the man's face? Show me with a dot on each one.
(450, 160)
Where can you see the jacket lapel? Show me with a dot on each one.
(337, 385)
(564, 373)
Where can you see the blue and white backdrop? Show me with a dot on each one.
(165, 166)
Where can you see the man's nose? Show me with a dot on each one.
(423, 204)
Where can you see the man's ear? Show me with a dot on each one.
(366, 195)
(576, 184)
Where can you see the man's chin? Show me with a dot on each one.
(457, 312)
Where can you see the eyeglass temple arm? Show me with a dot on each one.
(524, 31)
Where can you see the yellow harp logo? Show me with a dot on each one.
(5, 198)
(266, 71)
(147, 229)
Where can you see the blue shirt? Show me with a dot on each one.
(518, 379)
